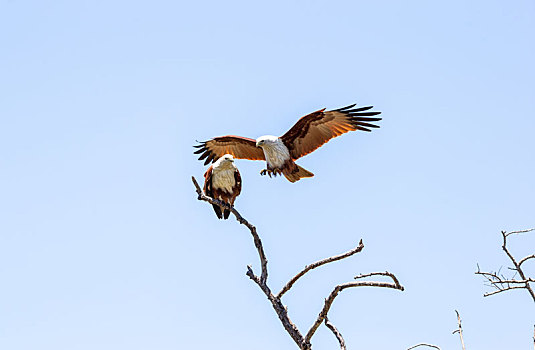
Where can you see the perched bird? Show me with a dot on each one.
(309, 133)
(222, 181)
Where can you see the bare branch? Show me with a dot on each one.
(513, 260)
(386, 273)
(488, 294)
(517, 232)
(515, 281)
(307, 268)
(459, 329)
(279, 308)
(336, 334)
(341, 287)
(282, 312)
(494, 279)
(241, 220)
(424, 344)
(500, 282)
(523, 260)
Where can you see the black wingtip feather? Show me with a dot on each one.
(363, 114)
(367, 125)
(366, 119)
(209, 159)
(346, 107)
(204, 155)
(361, 109)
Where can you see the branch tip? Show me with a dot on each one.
(318, 264)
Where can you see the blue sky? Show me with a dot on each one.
(104, 245)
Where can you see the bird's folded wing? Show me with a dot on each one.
(313, 130)
(239, 147)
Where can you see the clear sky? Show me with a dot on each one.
(103, 244)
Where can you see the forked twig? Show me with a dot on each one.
(307, 268)
(330, 299)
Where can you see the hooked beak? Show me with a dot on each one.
(258, 143)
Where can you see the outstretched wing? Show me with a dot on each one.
(239, 147)
(313, 130)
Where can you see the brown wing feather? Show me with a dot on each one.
(313, 130)
(239, 147)
(237, 186)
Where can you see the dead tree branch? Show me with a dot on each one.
(280, 309)
(307, 268)
(459, 329)
(241, 220)
(502, 283)
(330, 299)
(336, 334)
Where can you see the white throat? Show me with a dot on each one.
(223, 175)
(275, 151)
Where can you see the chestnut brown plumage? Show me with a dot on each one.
(313, 130)
(308, 134)
(222, 181)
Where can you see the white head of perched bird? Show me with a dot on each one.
(222, 181)
(309, 133)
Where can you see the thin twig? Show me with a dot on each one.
(523, 260)
(241, 220)
(488, 294)
(386, 273)
(494, 279)
(517, 232)
(336, 333)
(424, 344)
(459, 329)
(318, 264)
(330, 299)
(515, 281)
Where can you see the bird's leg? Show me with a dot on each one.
(263, 172)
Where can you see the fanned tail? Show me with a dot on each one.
(297, 173)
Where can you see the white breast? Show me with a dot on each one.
(276, 153)
(223, 179)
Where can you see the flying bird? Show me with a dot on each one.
(308, 134)
(222, 181)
